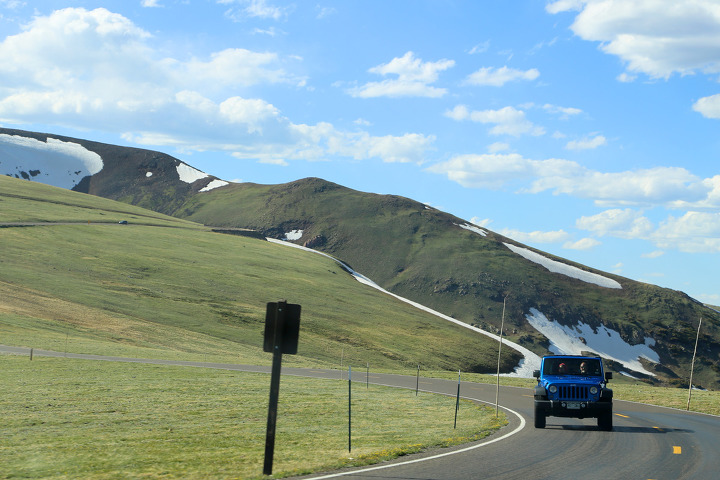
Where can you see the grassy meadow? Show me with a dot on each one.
(65, 418)
(187, 293)
(165, 288)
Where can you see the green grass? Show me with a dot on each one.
(157, 292)
(421, 254)
(23, 201)
(67, 419)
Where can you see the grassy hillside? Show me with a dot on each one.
(163, 287)
(423, 254)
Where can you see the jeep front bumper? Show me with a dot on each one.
(573, 408)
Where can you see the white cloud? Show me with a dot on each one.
(583, 244)
(254, 9)
(506, 121)
(653, 254)
(498, 147)
(536, 236)
(708, 107)
(485, 171)
(497, 77)
(626, 223)
(150, 3)
(565, 5)
(693, 232)
(236, 67)
(480, 48)
(564, 112)
(587, 143)
(413, 78)
(98, 69)
(654, 37)
(670, 187)
(481, 222)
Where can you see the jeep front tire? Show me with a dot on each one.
(539, 417)
(605, 421)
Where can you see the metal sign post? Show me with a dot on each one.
(282, 324)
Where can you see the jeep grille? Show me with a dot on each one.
(573, 392)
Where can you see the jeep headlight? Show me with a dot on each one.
(552, 389)
(593, 390)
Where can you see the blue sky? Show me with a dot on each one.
(588, 129)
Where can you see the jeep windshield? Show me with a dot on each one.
(587, 367)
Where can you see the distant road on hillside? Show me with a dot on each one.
(647, 442)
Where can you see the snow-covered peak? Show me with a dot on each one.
(189, 174)
(213, 185)
(603, 341)
(563, 268)
(54, 162)
(473, 228)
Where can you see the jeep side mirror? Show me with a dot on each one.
(536, 373)
(608, 376)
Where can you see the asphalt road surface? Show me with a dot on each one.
(647, 442)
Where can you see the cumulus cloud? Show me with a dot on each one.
(693, 232)
(414, 78)
(654, 37)
(708, 107)
(95, 68)
(622, 223)
(587, 143)
(670, 187)
(497, 77)
(506, 121)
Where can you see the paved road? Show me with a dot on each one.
(647, 442)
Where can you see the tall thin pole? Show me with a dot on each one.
(497, 389)
(692, 365)
(349, 409)
(457, 401)
(417, 381)
(274, 388)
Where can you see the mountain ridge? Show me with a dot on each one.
(425, 255)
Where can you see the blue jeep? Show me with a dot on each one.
(573, 386)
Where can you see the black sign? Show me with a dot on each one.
(282, 320)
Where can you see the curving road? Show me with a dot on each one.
(647, 442)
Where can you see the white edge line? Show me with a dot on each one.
(446, 454)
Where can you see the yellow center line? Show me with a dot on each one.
(621, 415)
(658, 428)
(677, 450)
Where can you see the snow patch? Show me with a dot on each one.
(530, 362)
(473, 228)
(58, 163)
(214, 184)
(189, 174)
(294, 235)
(604, 342)
(148, 174)
(563, 268)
